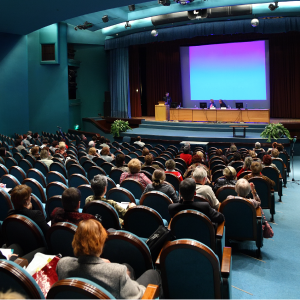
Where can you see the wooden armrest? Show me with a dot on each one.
(284, 165)
(258, 213)
(226, 261)
(220, 230)
(158, 257)
(169, 226)
(22, 262)
(152, 292)
(280, 177)
(272, 191)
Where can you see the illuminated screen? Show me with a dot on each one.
(234, 71)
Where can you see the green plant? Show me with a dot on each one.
(119, 126)
(275, 131)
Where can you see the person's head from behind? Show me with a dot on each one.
(280, 147)
(200, 175)
(138, 138)
(83, 137)
(242, 187)
(200, 153)
(120, 160)
(94, 138)
(186, 149)
(89, 238)
(187, 189)
(91, 144)
(247, 163)
(35, 150)
(275, 153)
(24, 136)
(148, 159)
(197, 159)
(45, 142)
(145, 151)
(252, 153)
(2, 151)
(105, 150)
(71, 199)
(237, 156)
(98, 185)
(20, 196)
(233, 148)
(44, 153)
(158, 177)
(18, 142)
(55, 144)
(170, 164)
(229, 172)
(219, 152)
(36, 135)
(256, 168)
(267, 160)
(92, 151)
(134, 166)
(274, 145)
(257, 145)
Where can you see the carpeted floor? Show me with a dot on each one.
(275, 276)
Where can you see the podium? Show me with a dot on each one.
(162, 112)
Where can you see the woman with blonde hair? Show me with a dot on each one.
(92, 153)
(35, 152)
(45, 157)
(88, 243)
(159, 184)
(106, 155)
(230, 178)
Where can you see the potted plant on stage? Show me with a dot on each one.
(119, 126)
(275, 131)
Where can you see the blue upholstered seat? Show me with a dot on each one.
(5, 204)
(134, 186)
(18, 173)
(10, 181)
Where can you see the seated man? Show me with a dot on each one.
(69, 212)
(187, 190)
(99, 187)
(139, 142)
(222, 103)
(120, 163)
(200, 177)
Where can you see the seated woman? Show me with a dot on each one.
(230, 178)
(92, 153)
(236, 157)
(257, 147)
(275, 154)
(145, 151)
(267, 162)
(134, 173)
(159, 184)
(99, 187)
(148, 162)
(232, 149)
(256, 168)
(62, 149)
(170, 168)
(120, 163)
(106, 155)
(34, 151)
(196, 162)
(88, 243)
(219, 153)
(45, 157)
(246, 167)
(252, 154)
(21, 199)
(19, 144)
(186, 156)
(3, 153)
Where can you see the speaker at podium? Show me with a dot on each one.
(162, 111)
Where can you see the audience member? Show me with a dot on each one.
(69, 212)
(267, 162)
(200, 177)
(247, 165)
(26, 143)
(170, 168)
(120, 163)
(91, 144)
(258, 147)
(35, 152)
(148, 162)
(45, 143)
(29, 134)
(275, 154)
(232, 149)
(186, 156)
(256, 168)
(236, 157)
(106, 155)
(84, 139)
(159, 184)
(88, 244)
(45, 157)
(92, 153)
(19, 144)
(145, 151)
(54, 146)
(187, 190)
(219, 153)
(139, 142)
(104, 142)
(230, 178)
(134, 173)
(252, 154)
(99, 187)
(196, 162)
(21, 199)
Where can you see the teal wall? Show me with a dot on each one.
(13, 84)
(48, 86)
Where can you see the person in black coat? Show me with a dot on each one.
(187, 190)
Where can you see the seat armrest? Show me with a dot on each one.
(258, 213)
(152, 292)
(226, 262)
(158, 257)
(169, 226)
(220, 230)
(22, 262)
(280, 176)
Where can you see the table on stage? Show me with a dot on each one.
(220, 115)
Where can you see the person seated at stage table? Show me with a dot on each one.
(145, 151)
(92, 153)
(187, 190)
(202, 189)
(71, 198)
(148, 162)
(247, 165)
(257, 147)
(170, 168)
(167, 99)
(230, 178)
(106, 155)
(267, 162)
(219, 153)
(134, 166)
(139, 142)
(212, 104)
(117, 279)
(222, 103)
(186, 156)
(159, 184)
(256, 168)
(120, 163)
(236, 157)
(197, 161)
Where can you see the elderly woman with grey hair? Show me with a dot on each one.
(230, 178)
(243, 189)
(99, 187)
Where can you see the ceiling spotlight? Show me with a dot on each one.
(184, 2)
(154, 32)
(84, 26)
(254, 22)
(164, 2)
(105, 19)
(273, 7)
(197, 14)
(127, 25)
(131, 7)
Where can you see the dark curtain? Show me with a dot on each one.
(134, 82)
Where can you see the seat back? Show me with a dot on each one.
(36, 187)
(115, 175)
(181, 167)
(18, 156)
(5, 204)
(37, 204)
(59, 238)
(159, 202)
(106, 166)
(51, 204)
(217, 167)
(42, 167)
(21, 230)
(55, 189)
(280, 165)
(263, 190)
(10, 181)
(75, 180)
(56, 176)
(58, 167)
(192, 224)
(237, 164)
(174, 180)
(17, 172)
(76, 169)
(216, 161)
(30, 158)
(134, 186)
(120, 195)
(3, 170)
(243, 174)
(9, 162)
(124, 247)
(14, 277)
(86, 191)
(149, 169)
(38, 176)
(93, 171)
(217, 174)
(88, 164)
(109, 216)
(273, 175)
(224, 191)
(198, 267)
